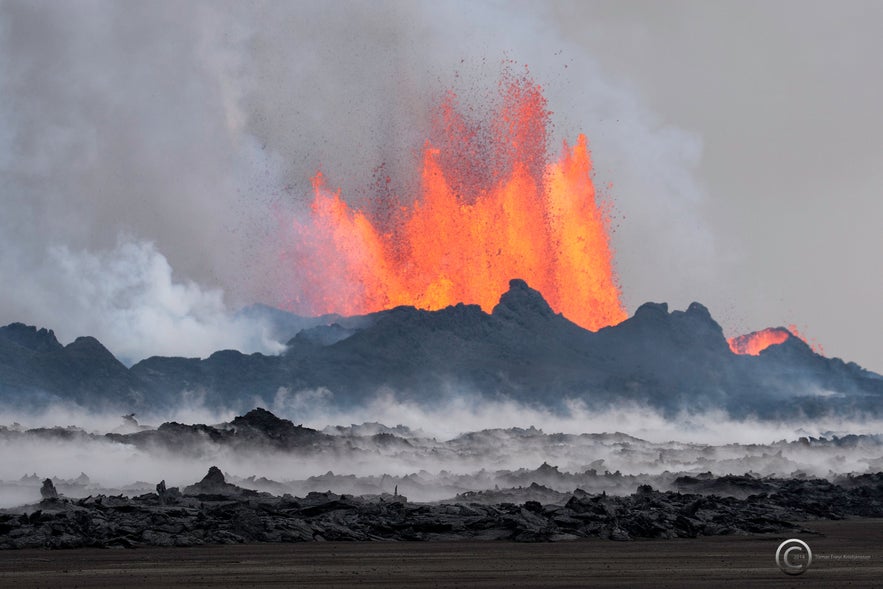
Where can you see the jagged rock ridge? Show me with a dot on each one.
(668, 360)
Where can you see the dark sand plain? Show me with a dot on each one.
(846, 554)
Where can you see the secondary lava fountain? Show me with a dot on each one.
(757, 341)
(492, 206)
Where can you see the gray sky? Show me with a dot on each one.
(786, 98)
(148, 152)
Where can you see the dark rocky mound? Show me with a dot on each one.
(261, 425)
(214, 512)
(257, 428)
(213, 485)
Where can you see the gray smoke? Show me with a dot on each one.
(150, 153)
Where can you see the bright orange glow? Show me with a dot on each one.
(756, 342)
(492, 207)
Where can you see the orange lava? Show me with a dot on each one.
(756, 342)
(492, 206)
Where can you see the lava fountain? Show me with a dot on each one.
(492, 206)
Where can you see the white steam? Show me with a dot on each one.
(128, 298)
(463, 413)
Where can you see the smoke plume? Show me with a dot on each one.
(193, 131)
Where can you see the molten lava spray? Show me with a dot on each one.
(492, 206)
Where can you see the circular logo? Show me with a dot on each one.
(793, 556)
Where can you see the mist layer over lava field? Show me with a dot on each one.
(397, 484)
(261, 451)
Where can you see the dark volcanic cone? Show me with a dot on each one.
(213, 483)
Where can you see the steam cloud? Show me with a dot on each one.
(129, 297)
(193, 132)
